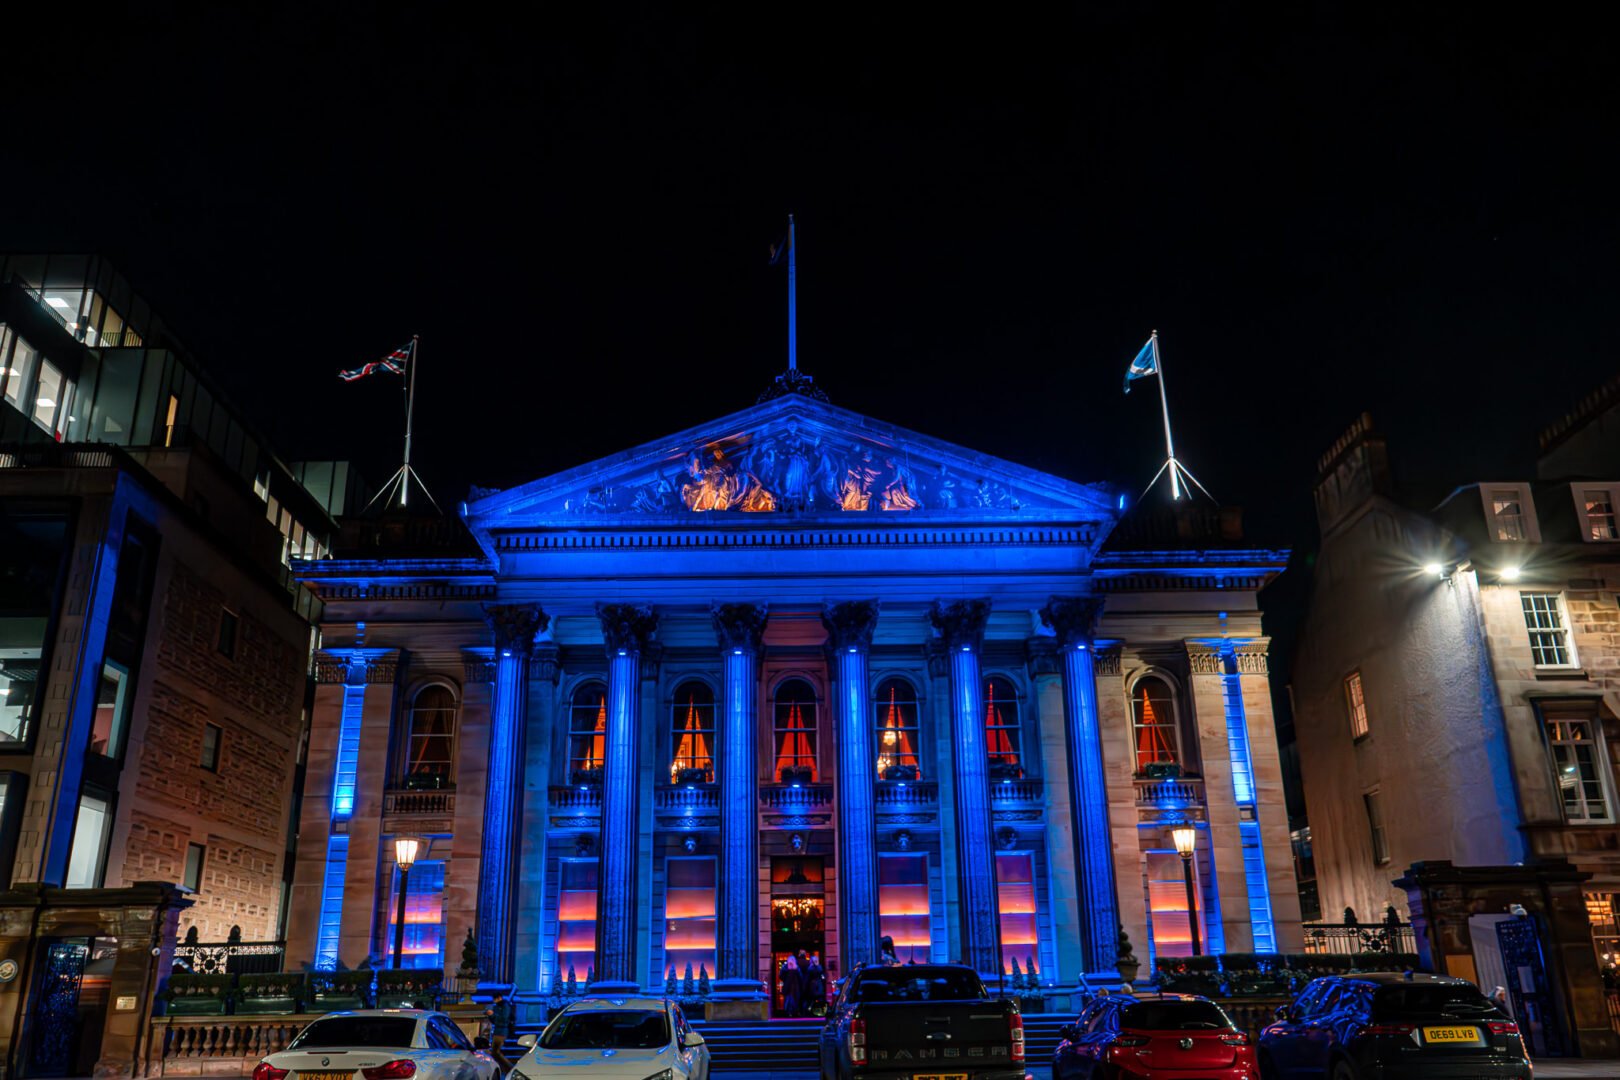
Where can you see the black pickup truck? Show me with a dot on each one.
(921, 1022)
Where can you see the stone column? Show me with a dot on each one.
(515, 626)
(740, 630)
(849, 637)
(960, 626)
(626, 630)
(1075, 618)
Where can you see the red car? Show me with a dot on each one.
(1154, 1037)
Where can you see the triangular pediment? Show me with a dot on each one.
(793, 456)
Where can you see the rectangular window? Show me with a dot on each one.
(897, 736)
(33, 542)
(1597, 508)
(1545, 619)
(51, 398)
(576, 921)
(1601, 910)
(112, 710)
(1577, 763)
(689, 916)
(1015, 896)
(212, 735)
(1375, 827)
(195, 854)
(18, 367)
(903, 906)
(1167, 905)
(424, 916)
(1507, 515)
(227, 634)
(87, 857)
(1356, 701)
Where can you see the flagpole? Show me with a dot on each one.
(1164, 406)
(410, 407)
(793, 300)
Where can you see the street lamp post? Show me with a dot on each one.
(1186, 838)
(405, 850)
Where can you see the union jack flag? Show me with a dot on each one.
(393, 364)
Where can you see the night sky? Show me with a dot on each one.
(1321, 211)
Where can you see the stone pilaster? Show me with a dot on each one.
(739, 629)
(960, 626)
(627, 629)
(849, 639)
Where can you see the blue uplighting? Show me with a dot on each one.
(348, 755)
(1243, 790)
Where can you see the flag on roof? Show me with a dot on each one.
(393, 364)
(1145, 364)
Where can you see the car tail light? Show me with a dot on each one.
(1124, 1046)
(857, 1041)
(266, 1071)
(1015, 1028)
(1235, 1038)
(1391, 1029)
(1502, 1027)
(402, 1069)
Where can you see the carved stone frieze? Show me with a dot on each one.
(1041, 654)
(330, 669)
(1107, 660)
(1204, 659)
(383, 670)
(1073, 618)
(627, 627)
(515, 626)
(850, 624)
(739, 626)
(476, 667)
(545, 665)
(961, 622)
(1253, 657)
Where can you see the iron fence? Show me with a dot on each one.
(1384, 937)
(230, 957)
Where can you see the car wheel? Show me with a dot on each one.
(1344, 1071)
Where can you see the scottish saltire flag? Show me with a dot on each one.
(393, 364)
(1145, 364)
(780, 249)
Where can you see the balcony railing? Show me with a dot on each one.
(795, 796)
(907, 794)
(576, 797)
(423, 803)
(1380, 937)
(233, 957)
(1183, 791)
(687, 797)
(1023, 792)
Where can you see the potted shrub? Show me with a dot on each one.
(1161, 770)
(691, 775)
(275, 993)
(331, 990)
(1002, 770)
(198, 995)
(900, 772)
(586, 777)
(409, 988)
(796, 774)
(1127, 962)
(426, 781)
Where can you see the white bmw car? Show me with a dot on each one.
(620, 1038)
(380, 1044)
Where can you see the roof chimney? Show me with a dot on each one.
(1353, 470)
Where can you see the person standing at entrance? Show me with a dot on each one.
(789, 978)
(815, 986)
(502, 1026)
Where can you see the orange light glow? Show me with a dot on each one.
(689, 904)
(575, 906)
(577, 937)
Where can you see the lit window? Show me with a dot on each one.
(226, 642)
(903, 907)
(87, 856)
(1153, 720)
(424, 916)
(430, 744)
(1597, 506)
(689, 916)
(794, 732)
(897, 735)
(1375, 827)
(213, 735)
(576, 921)
(1001, 732)
(1577, 763)
(1356, 701)
(1507, 513)
(16, 365)
(692, 734)
(195, 853)
(1601, 909)
(587, 734)
(1167, 904)
(51, 398)
(1546, 621)
(1015, 901)
(112, 710)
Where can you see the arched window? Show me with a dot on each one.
(692, 734)
(1002, 735)
(1153, 722)
(587, 734)
(794, 732)
(895, 713)
(430, 743)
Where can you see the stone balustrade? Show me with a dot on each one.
(796, 797)
(1018, 792)
(215, 1045)
(419, 803)
(1181, 792)
(907, 794)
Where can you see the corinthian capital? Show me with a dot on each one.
(626, 627)
(850, 624)
(515, 626)
(739, 627)
(960, 622)
(1074, 618)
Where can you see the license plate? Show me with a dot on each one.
(325, 1075)
(1451, 1035)
(939, 1076)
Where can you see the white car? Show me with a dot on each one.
(619, 1038)
(380, 1044)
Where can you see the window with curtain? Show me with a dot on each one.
(895, 713)
(794, 732)
(576, 920)
(1153, 722)
(689, 916)
(1015, 897)
(692, 734)
(903, 913)
(587, 733)
(431, 741)
(1578, 765)
(1002, 734)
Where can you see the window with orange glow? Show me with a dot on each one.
(576, 919)
(895, 712)
(1167, 904)
(1153, 719)
(903, 912)
(587, 733)
(424, 916)
(1001, 731)
(689, 916)
(1015, 896)
(692, 730)
(794, 731)
(430, 746)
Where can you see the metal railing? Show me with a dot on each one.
(1380, 937)
(795, 796)
(1179, 792)
(419, 802)
(230, 957)
(1032, 792)
(908, 793)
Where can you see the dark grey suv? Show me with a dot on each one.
(1392, 1026)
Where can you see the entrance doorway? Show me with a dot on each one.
(798, 929)
(70, 1006)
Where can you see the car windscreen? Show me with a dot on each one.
(1173, 1016)
(346, 1032)
(917, 983)
(591, 1029)
(1430, 999)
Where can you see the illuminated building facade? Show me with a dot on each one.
(793, 680)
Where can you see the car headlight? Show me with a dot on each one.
(667, 1074)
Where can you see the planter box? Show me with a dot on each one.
(266, 1006)
(196, 1005)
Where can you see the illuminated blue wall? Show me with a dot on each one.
(1254, 855)
(344, 772)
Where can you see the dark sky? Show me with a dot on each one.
(1321, 210)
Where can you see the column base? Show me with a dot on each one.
(485, 991)
(737, 990)
(611, 988)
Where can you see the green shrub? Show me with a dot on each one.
(187, 985)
